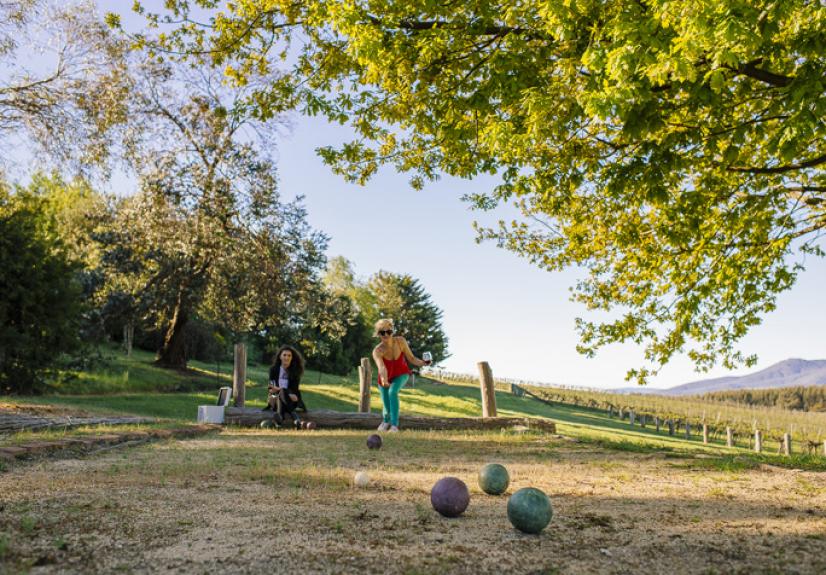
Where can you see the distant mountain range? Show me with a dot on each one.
(787, 373)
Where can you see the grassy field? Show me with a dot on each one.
(249, 500)
(128, 386)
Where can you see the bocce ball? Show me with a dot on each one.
(361, 479)
(374, 441)
(450, 496)
(494, 479)
(529, 510)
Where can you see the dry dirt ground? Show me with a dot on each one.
(283, 502)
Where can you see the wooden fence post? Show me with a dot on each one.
(787, 444)
(631, 417)
(239, 374)
(488, 391)
(729, 437)
(657, 423)
(610, 411)
(365, 379)
(687, 430)
(758, 441)
(670, 424)
(128, 337)
(705, 433)
(642, 420)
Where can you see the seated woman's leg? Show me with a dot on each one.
(299, 405)
(287, 405)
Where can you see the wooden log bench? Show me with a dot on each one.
(323, 418)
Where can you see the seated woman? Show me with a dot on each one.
(283, 395)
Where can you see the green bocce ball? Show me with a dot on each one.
(494, 479)
(529, 510)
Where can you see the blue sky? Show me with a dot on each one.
(497, 307)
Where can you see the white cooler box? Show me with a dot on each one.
(210, 414)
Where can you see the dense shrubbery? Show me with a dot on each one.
(40, 307)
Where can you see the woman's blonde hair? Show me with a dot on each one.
(383, 323)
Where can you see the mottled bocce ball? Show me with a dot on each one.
(361, 479)
(529, 510)
(450, 496)
(374, 441)
(266, 424)
(310, 425)
(494, 479)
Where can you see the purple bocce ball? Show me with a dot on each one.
(374, 441)
(450, 496)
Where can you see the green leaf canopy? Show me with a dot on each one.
(672, 150)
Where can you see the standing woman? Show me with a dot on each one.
(285, 377)
(393, 371)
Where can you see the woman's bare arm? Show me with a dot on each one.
(409, 354)
(382, 370)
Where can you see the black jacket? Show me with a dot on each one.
(293, 381)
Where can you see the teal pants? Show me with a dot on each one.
(390, 399)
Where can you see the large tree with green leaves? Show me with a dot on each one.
(400, 297)
(207, 235)
(63, 83)
(415, 316)
(672, 150)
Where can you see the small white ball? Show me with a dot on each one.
(361, 479)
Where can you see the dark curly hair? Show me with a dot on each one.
(296, 369)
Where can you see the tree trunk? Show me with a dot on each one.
(173, 352)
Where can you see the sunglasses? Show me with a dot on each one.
(386, 332)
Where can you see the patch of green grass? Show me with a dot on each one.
(60, 544)
(115, 373)
(28, 436)
(28, 524)
(734, 463)
(727, 463)
(807, 488)
(630, 446)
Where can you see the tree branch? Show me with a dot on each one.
(424, 25)
(781, 169)
(751, 70)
